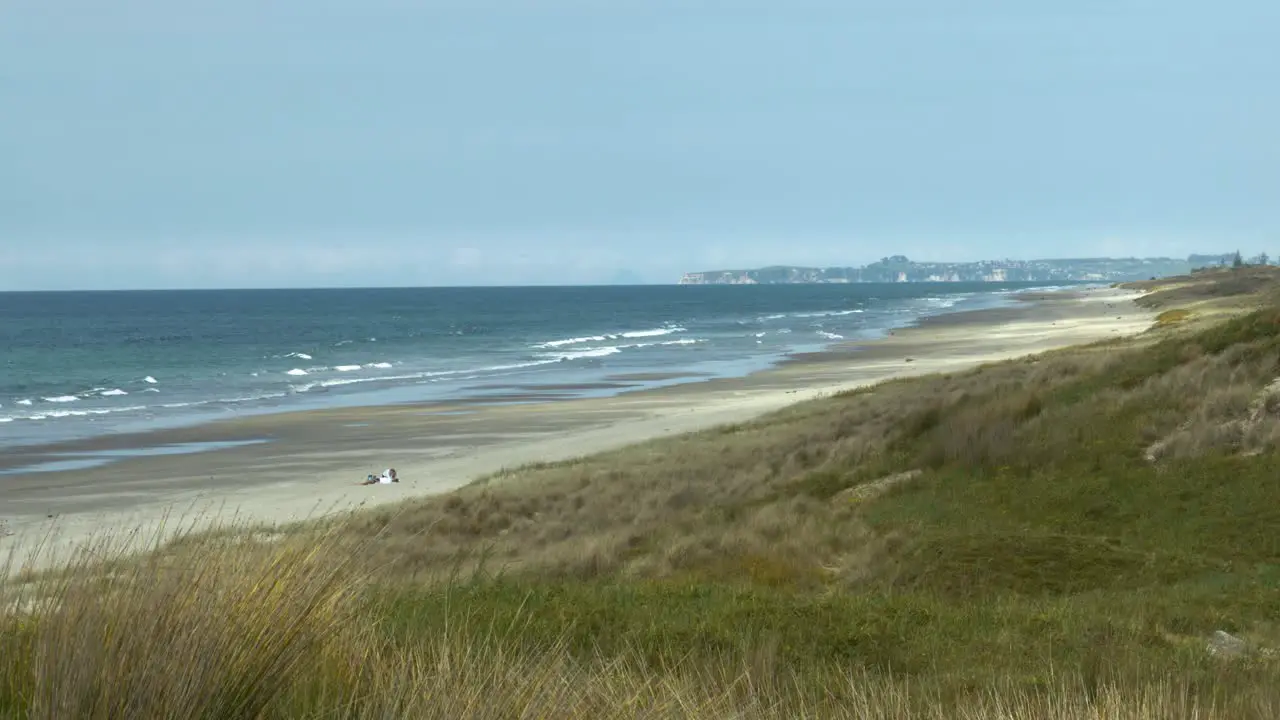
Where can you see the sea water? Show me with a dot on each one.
(75, 365)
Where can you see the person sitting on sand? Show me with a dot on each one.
(387, 477)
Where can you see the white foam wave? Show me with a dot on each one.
(225, 401)
(571, 341)
(59, 414)
(588, 353)
(24, 402)
(61, 399)
(347, 368)
(297, 371)
(149, 380)
(826, 313)
(6, 419)
(300, 356)
(151, 390)
(113, 393)
(652, 333)
(760, 334)
(247, 398)
(379, 365)
(433, 376)
(629, 334)
(830, 335)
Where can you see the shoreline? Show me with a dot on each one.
(311, 461)
(483, 394)
(478, 380)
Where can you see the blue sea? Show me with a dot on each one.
(76, 365)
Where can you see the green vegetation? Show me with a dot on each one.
(1171, 317)
(1052, 537)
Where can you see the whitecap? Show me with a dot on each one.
(61, 399)
(151, 390)
(24, 402)
(300, 356)
(571, 341)
(113, 393)
(6, 419)
(826, 313)
(379, 365)
(297, 371)
(652, 333)
(433, 376)
(149, 380)
(346, 368)
(830, 335)
(588, 353)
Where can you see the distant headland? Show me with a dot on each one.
(900, 269)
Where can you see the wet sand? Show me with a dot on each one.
(296, 465)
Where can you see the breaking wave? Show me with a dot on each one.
(629, 334)
(588, 353)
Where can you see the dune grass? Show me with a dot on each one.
(1051, 537)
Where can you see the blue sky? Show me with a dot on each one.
(175, 143)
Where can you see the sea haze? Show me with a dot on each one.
(75, 365)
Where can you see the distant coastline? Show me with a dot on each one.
(898, 268)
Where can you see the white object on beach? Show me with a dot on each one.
(386, 478)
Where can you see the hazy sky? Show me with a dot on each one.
(233, 143)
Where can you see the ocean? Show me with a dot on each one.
(80, 364)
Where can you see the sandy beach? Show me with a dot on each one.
(283, 467)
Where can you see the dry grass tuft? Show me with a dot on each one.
(201, 631)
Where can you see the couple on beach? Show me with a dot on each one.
(387, 477)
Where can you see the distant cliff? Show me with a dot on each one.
(901, 269)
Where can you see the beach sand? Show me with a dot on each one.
(311, 462)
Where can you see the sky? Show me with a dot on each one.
(306, 143)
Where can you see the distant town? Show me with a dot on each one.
(900, 269)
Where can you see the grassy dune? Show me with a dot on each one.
(1053, 537)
